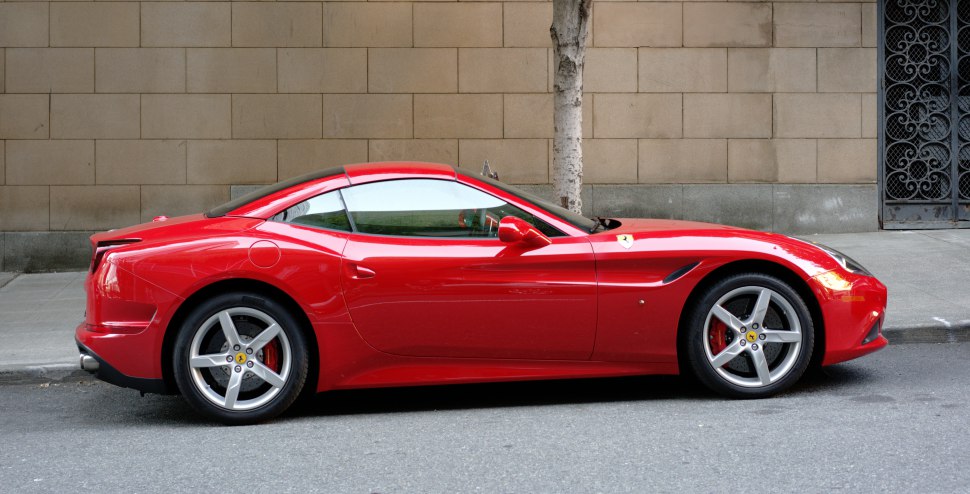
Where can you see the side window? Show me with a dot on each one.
(322, 211)
(430, 208)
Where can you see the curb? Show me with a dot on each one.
(5, 280)
(929, 333)
(44, 373)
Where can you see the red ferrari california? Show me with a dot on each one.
(401, 274)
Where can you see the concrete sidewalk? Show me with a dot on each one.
(927, 272)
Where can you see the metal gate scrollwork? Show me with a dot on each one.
(925, 100)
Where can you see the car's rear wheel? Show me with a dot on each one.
(240, 358)
(749, 336)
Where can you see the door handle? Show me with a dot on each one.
(359, 272)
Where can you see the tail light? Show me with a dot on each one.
(102, 248)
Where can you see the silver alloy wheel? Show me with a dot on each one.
(241, 358)
(749, 337)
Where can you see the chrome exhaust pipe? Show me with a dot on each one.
(89, 363)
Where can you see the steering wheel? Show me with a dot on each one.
(478, 219)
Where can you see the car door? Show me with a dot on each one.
(424, 274)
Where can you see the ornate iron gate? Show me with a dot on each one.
(924, 99)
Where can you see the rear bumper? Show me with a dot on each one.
(107, 373)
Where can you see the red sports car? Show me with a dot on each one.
(400, 274)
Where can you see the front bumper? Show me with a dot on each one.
(853, 311)
(105, 372)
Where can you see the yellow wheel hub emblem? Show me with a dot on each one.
(240, 358)
(751, 336)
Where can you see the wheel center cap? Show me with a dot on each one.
(751, 336)
(240, 358)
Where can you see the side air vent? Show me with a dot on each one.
(680, 272)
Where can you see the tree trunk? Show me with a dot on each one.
(570, 19)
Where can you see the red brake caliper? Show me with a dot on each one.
(271, 356)
(717, 336)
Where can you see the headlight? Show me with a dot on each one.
(845, 261)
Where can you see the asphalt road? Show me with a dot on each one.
(894, 421)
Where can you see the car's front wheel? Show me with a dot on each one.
(749, 336)
(240, 358)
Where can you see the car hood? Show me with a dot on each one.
(638, 225)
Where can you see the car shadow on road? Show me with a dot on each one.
(549, 392)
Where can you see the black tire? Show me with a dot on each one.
(742, 375)
(258, 395)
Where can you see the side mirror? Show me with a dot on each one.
(512, 230)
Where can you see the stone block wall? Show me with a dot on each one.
(114, 112)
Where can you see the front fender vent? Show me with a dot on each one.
(674, 276)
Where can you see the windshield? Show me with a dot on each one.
(577, 220)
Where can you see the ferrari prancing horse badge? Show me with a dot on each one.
(625, 240)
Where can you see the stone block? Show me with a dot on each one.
(639, 201)
(49, 70)
(298, 157)
(807, 209)
(430, 150)
(526, 24)
(24, 116)
(136, 162)
(24, 24)
(186, 24)
(30, 252)
(682, 160)
(727, 24)
(545, 191)
(50, 162)
(231, 162)
(518, 161)
(94, 116)
(3, 167)
(99, 24)
(322, 70)
(638, 24)
(140, 70)
(3, 88)
(99, 207)
(771, 70)
(412, 70)
(24, 208)
(817, 115)
(231, 70)
(387, 116)
(683, 70)
(772, 160)
(812, 25)
(747, 206)
(847, 161)
(279, 24)
(847, 70)
(178, 200)
(458, 24)
(610, 161)
(637, 115)
(458, 115)
(530, 116)
(502, 70)
(349, 24)
(869, 27)
(608, 70)
(727, 115)
(870, 123)
(186, 116)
